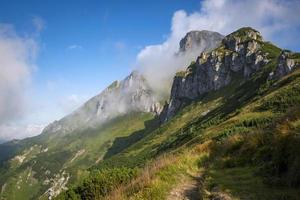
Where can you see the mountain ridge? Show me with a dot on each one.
(260, 86)
(237, 142)
(130, 94)
(88, 135)
(205, 39)
(133, 91)
(240, 52)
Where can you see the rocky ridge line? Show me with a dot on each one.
(240, 53)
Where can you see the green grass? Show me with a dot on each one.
(180, 74)
(190, 130)
(272, 50)
(22, 186)
(113, 85)
(243, 183)
(252, 155)
(295, 56)
(281, 100)
(100, 183)
(240, 120)
(163, 174)
(94, 142)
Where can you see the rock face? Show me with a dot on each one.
(240, 53)
(131, 94)
(121, 97)
(286, 63)
(200, 41)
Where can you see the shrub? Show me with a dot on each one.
(100, 183)
(281, 101)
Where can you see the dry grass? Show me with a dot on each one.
(204, 147)
(144, 179)
(165, 171)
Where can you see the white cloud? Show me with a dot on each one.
(72, 102)
(17, 56)
(74, 47)
(17, 131)
(17, 62)
(278, 20)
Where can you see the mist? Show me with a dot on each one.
(273, 18)
(17, 55)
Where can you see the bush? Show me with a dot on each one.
(281, 101)
(283, 167)
(100, 183)
(203, 160)
(274, 150)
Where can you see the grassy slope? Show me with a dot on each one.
(241, 144)
(253, 107)
(230, 136)
(24, 180)
(245, 151)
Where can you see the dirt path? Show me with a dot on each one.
(189, 190)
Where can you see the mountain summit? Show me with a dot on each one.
(131, 94)
(200, 41)
(244, 85)
(122, 97)
(241, 53)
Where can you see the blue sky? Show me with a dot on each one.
(77, 48)
(85, 45)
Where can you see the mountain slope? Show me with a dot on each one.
(129, 95)
(105, 125)
(200, 41)
(241, 53)
(60, 155)
(52, 163)
(240, 135)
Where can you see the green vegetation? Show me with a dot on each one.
(100, 183)
(192, 67)
(280, 101)
(272, 50)
(180, 74)
(245, 143)
(295, 56)
(80, 151)
(113, 85)
(243, 33)
(241, 141)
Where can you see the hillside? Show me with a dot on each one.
(132, 94)
(65, 148)
(233, 135)
(122, 114)
(56, 162)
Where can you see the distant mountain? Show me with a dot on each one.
(122, 97)
(200, 41)
(131, 94)
(230, 131)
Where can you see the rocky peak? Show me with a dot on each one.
(242, 52)
(134, 79)
(121, 97)
(131, 94)
(245, 33)
(287, 61)
(237, 39)
(205, 40)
